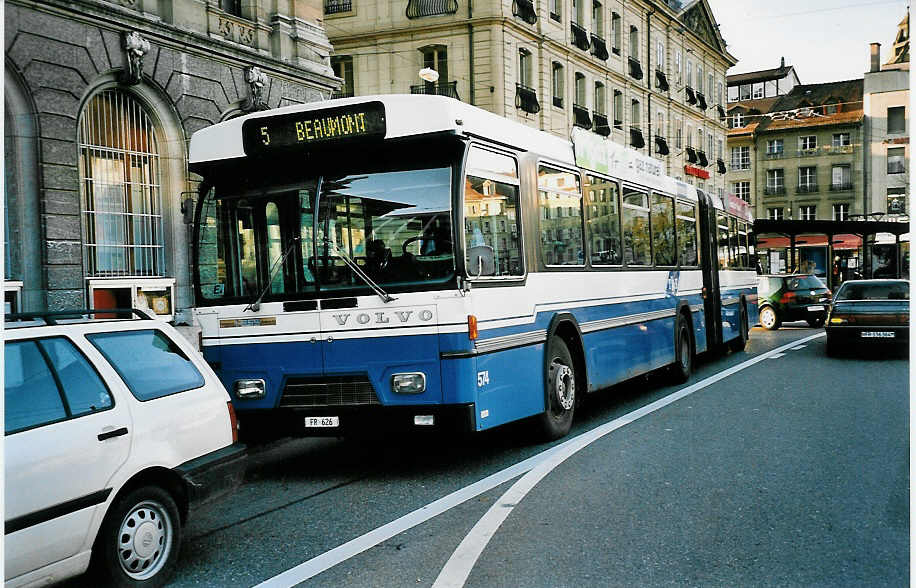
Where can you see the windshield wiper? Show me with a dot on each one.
(256, 304)
(359, 272)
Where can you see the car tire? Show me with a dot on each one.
(740, 342)
(560, 391)
(769, 319)
(682, 367)
(139, 540)
(815, 322)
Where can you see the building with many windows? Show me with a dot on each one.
(100, 100)
(646, 73)
(887, 97)
(767, 83)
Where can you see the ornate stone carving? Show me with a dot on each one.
(256, 80)
(135, 47)
(236, 31)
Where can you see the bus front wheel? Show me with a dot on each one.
(560, 389)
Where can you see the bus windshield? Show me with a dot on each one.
(287, 239)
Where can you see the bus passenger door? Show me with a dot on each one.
(712, 302)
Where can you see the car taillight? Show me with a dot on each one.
(233, 422)
(904, 319)
(787, 297)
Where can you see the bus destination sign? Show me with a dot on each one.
(271, 133)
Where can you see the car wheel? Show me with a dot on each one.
(815, 322)
(139, 541)
(560, 390)
(683, 354)
(769, 320)
(740, 342)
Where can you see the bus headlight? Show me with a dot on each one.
(249, 389)
(410, 383)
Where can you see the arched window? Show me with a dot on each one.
(120, 188)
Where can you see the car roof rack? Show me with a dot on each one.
(52, 317)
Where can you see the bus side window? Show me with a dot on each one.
(637, 248)
(686, 233)
(662, 217)
(603, 225)
(733, 260)
(560, 203)
(491, 212)
(722, 239)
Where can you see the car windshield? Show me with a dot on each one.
(804, 283)
(874, 291)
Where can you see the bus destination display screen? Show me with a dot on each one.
(271, 133)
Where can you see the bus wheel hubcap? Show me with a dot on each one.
(564, 385)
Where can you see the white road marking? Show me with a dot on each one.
(799, 347)
(549, 458)
(459, 566)
(777, 355)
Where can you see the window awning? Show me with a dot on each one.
(691, 154)
(661, 145)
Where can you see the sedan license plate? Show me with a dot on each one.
(322, 422)
(816, 307)
(878, 334)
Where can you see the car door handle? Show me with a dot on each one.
(111, 434)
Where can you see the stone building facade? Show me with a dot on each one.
(101, 99)
(887, 128)
(646, 73)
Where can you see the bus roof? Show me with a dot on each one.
(405, 115)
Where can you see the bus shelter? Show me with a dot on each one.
(833, 250)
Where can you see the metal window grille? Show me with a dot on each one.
(338, 6)
(120, 188)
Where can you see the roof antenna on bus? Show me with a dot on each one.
(256, 305)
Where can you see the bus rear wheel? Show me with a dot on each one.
(560, 390)
(740, 342)
(683, 354)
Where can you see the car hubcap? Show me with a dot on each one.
(144, 540)
(767, 317)
(564, 385)
(685, 352)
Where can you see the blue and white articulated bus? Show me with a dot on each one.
(413, 261)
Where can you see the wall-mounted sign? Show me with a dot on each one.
(697, 172)
(270, 133)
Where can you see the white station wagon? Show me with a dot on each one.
(115, 429)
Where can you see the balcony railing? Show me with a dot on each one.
(635, 69)
(809, 152)
(524, 9)
(636, 139)
(342, 94)
(599, 47)
(527, 99)
(601, 124)
(438, 89)
(774, 190)
(806, 189)
(580, 117)
(579, 36)
(337, 6)
(775, 154)
(838, 149)
(841, 187)
(418, 8)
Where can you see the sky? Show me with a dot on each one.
(826, 40)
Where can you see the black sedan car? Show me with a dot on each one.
(873, 311)
(796, 297)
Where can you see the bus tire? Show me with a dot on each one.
(740, 342)
(560, 391)
(683, 353)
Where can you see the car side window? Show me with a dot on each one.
(150, 363)
(30, 392)
(83, 388)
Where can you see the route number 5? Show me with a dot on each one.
(265, 138)
(483, 378)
